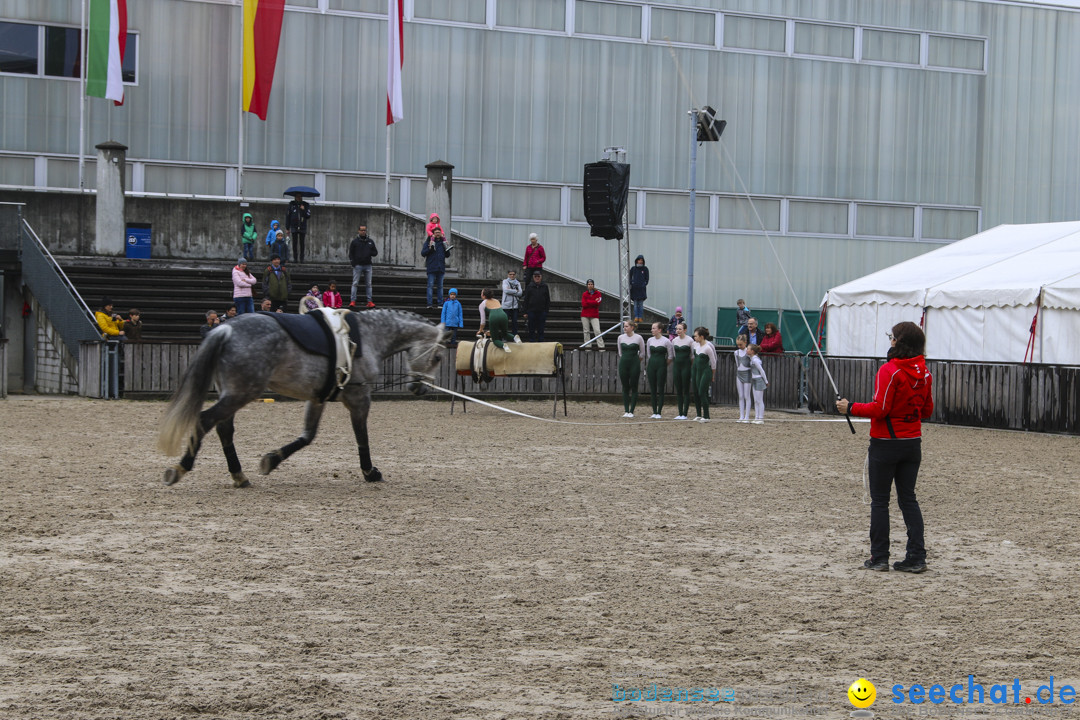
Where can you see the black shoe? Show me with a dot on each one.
(878, 565)
(910, 566)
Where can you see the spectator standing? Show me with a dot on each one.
(133, 325)
(742, 317)
(772, 343)
(453, 317)
(436, 252)
(110, 323)
(902, 400)
(248, 236)
(242, 282)
(535, 303)
(683, 346)
(212, 322)
(631, 353)
(332, 298)
(271, 234)
(673, 321)
(753, 333)
(511, 298)
(280, 247)
(277, 284)
(661, 353)
(639, 280)
(296, 223)
(361, 250)
(590, 314)
(534, 256)
(701, 372)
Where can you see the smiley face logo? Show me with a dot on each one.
(862, 693)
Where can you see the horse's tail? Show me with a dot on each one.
(183, 411)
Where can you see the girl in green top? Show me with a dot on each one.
(684, 356)
(631, 353)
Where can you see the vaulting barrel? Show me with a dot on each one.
(544, 359)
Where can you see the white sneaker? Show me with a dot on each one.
(698, 419)
(517, 339)
(704, 420)
(506, 348)
(742, 421)
(654, 416)
(681, 417)
(629, 415)
(758, 422)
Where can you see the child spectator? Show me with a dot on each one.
(759, 383)
(742, 317)
(248, 236)
(673, 323)
(332, 298)
(453, 317)
(271, 235)
(311, 301)
(133, 325)
(280, 248)
(742, 378)
(433, 225)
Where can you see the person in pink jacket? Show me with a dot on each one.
(242, 282)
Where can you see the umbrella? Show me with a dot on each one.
(303, 190)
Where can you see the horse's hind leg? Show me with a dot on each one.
(221, 411)
(312, 414)
(225, 430)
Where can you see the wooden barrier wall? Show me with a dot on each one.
(3, 368)
(1042, 398)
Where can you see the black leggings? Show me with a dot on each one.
(895, 461)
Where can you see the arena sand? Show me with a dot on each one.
(515, 569)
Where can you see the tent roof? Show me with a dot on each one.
(1004, 266)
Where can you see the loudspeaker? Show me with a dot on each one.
(605, 189)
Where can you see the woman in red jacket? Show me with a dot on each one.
(772, 343)
(902, 400)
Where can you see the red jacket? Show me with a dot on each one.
(534, 258)
(590, 304)
(901, 394)
(772, 344)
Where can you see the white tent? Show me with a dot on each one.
(979, 296)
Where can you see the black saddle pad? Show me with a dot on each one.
(310, 332)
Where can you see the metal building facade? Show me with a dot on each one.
(866, 132)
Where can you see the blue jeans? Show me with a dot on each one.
(434, 278)
(359, 271)
(244, 304)
(639, 308)
(249, 255)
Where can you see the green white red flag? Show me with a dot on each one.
(105, 44)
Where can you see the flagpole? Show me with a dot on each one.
(240, 122)
(84, 41)
(388, 129)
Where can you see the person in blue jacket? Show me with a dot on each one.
(271, 235)
(453, 318)
(435, 251)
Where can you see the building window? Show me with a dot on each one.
(824, 40)
(19, 51)
(467, 11)
(607, 18)
(671, 210)
(959, 53)
(885, 221)
(534, 14)
(526, 202)
(946, 224)
(818, 218)
(748, 33)
(693, 28)
(736, 213)
(375, 7)
(893, 47)
(18, 48)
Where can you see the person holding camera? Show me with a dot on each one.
(212, 321)
(110, 323)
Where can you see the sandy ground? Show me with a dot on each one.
(509, 568)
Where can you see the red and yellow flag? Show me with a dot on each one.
(262, 35)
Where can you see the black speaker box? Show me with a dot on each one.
(605, 189)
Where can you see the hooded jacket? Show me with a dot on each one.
(433, 222)
(248, 233)
(902, 399)
(639, 278)
(272, 234)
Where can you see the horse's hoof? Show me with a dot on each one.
(239, 480)
(372, 475)
(269, 462)
(173, 474)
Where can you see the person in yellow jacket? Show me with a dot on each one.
(111, 324)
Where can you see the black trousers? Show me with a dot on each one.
(298, 241)
(895, 461)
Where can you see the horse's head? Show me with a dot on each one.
(423, 357)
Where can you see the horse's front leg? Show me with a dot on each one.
(312, 414)
(359, 403)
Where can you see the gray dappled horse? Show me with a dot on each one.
(253, 353)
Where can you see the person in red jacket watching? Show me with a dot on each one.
(902, 400)
(772, 343)
(590, 314)
(534, 256)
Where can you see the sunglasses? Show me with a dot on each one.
(890, 336)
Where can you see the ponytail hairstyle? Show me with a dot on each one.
(703, 332)
(910, 341)
(487, 293)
